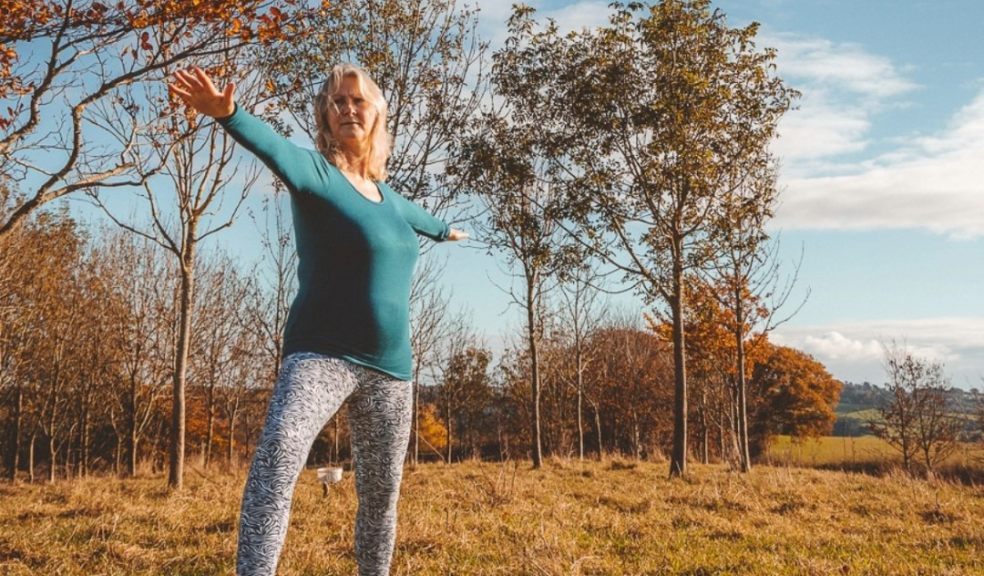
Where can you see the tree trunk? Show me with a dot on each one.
(678, 458)
(578, 361)
(597, 418)
(131, 428)
(30, 458)
(232, 433)
(118, 457)
(415, 447)
(52, 445)
(210, 425)
(531, 325)
(745, 455)
(722, 450)
(448, 428)
(15, 433)
(177, 452)
(705, 440)
(84, 442)
(246, 433)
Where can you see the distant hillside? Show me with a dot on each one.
(860, 403)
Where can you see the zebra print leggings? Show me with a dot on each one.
(310, 389)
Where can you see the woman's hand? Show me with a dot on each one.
(457, 234)
(196, 90)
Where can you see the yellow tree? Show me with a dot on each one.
(793, 394)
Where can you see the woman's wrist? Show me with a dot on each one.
(222, 117)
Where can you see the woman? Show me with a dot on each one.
(348, 332)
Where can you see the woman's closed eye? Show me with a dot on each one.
(341, 102)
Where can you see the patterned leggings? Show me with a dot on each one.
(310, 389)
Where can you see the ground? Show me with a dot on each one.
(611, 517)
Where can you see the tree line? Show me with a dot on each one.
(637, 150)
(90, 329)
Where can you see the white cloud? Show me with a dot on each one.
(836, 346)
(934, 183)
(587, 14)
(842, 86)
(820, 129)
(855, 351)
(846, 66)
(575, 16)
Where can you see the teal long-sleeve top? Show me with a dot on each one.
(355, 256)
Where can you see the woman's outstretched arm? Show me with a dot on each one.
(299, 168)
(424, 223)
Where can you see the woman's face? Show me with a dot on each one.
(352, 117)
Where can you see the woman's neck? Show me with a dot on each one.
(356, 160)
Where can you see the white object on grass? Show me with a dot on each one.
(328, 476)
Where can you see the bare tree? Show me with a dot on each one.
(746, 276)
(917, 421)
(431, 327)
(275, 280)
(522, 225)
(464, 388)
(39, 298)
(199, 170)
(140, 317)
(582, 312)
(218, 300)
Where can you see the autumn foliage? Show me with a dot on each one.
(142, 21)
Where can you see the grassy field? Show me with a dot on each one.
(830, 451)
(597, 518)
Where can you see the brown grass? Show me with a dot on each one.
(612, 517)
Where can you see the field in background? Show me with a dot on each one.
(611, 517)
(856, 452)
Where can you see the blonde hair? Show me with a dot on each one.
(379, 138)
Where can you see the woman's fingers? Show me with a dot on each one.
(204, 79)
(181, 93)
(180, 81)
(228, 95)
(189, 81)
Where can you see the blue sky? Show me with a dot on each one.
(882, 178)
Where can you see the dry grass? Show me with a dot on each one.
(868, 453)
(613, 517)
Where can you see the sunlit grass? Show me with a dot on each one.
(613, 517)
(829, 450)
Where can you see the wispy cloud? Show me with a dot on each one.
(925, 182)
(843, 86)
(575, 16)
(842, 66)
(934, 183)
(855, 351)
